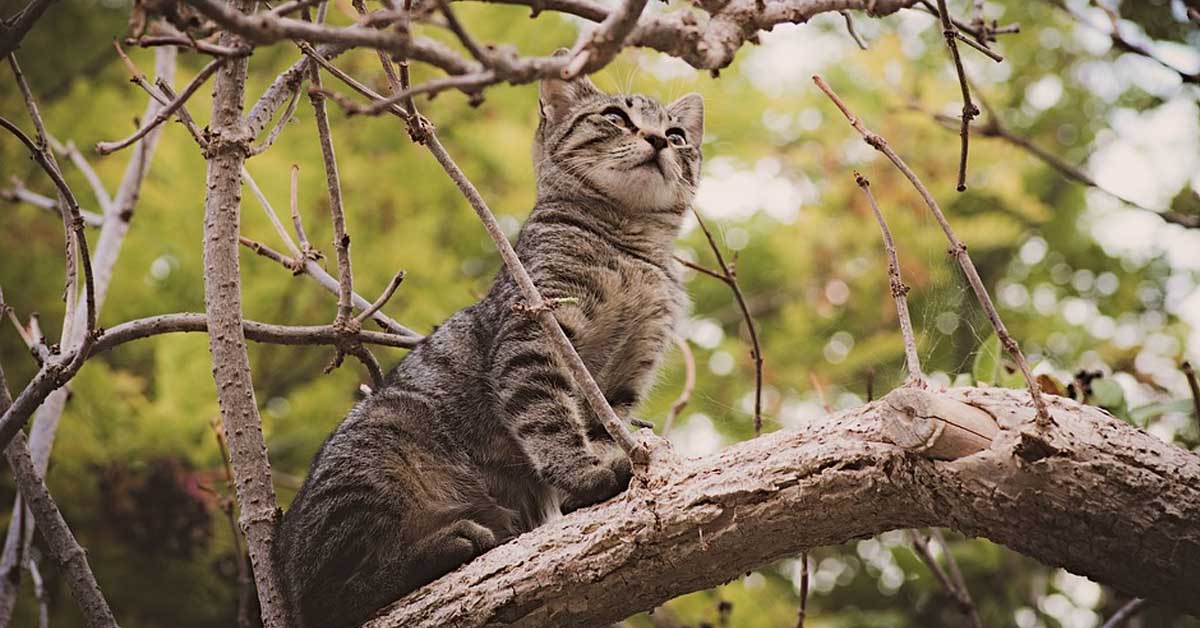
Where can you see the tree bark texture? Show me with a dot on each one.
(228, 146)
(1094, 495)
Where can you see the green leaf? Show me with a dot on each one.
(986, 368)
(1109, 395)
(1142, 414)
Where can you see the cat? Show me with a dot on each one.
(478, 434)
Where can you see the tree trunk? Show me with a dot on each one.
(228, 146)
(1094, 495)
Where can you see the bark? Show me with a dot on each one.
(66, 551)
(1093, 494)
(229, 143)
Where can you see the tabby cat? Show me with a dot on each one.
(479, 435)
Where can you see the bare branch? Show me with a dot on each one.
(969, 110)
(256, 331)
(63, 547)
(311, 268)
(397, 279)
(802, 613)
(165, 113)
(73, 218)
(598, 47)
(729, 276)
(958, 250)
(278, 128)
(226, 154)
(862, 45)
(341, 240)
(1126, 612)
(689, 383)
(898, 289)
(695, 523)
(18, 193)
(1190, 374)
(962, 597)
(13, 29)
(62, 544)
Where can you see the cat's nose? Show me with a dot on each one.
(657, 141)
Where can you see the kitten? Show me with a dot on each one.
(478, 435)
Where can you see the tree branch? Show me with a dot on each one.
(62, 544)
(228, 146)
(958, 250)
(692, 524)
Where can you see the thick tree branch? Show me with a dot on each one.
(63, 547)
(228, 146)
(687, 525)
(13, 29)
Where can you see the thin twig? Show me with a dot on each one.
(958, 250)
(182, 41)
(953, 585)
(278, 128)
(802, 613)
(996, 129)
(729, 276)
(1125, 613)
(463, 36)
(341, 241)
(165, 113)
(18, 193)
(969, 110)
(397, 279)
(863, 46)
(1190, 374)
(534, 301)
(311, 268)
(39, 592)
(259, 248)
(898, 289)
(41, 153)
(93, 179)
(689, 383)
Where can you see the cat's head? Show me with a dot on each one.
(628, 149)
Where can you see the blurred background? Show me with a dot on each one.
(1101, 292)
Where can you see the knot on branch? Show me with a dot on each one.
(217, 143)
(347, 327)
(420, 129)
(936, 426)
(957, 250)
(874, 140)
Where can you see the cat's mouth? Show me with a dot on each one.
(652, 162)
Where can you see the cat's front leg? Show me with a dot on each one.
(538, 405)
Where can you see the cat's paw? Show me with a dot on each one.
(599, 481)
(471, 538)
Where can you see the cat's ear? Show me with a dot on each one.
(557, 97)
(689, 112)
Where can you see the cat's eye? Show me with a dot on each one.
(618, 117)
(676, 137)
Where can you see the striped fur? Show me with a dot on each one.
(479, 435)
